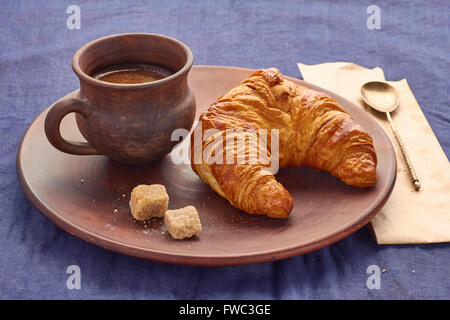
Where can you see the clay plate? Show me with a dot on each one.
(88, 195)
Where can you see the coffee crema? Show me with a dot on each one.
(132, 73)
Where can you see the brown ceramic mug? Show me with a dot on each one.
(130, 123)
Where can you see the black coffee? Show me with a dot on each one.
(129, 73)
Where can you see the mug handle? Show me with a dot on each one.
(53, 121)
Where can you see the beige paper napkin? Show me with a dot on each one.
(408, 216)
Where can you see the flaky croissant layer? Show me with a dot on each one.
(312, 130)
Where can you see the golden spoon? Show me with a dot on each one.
(383, 97)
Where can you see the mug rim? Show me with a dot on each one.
(82, 75)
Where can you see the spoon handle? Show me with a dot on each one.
(412, 173)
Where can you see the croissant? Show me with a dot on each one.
(313, 131)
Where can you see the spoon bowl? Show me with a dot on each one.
(380, 95)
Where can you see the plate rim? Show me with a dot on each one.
(212, 259)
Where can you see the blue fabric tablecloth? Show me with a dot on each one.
(35, 70)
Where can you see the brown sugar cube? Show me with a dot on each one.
(183, 223)
(148, 201)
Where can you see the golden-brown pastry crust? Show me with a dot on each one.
(314, 131)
